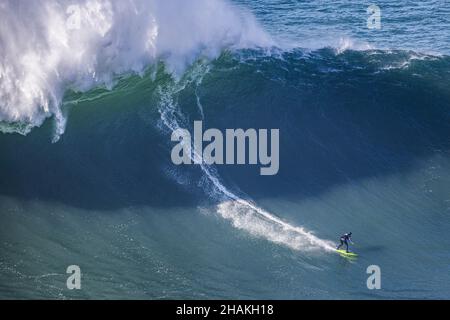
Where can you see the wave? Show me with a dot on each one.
(44, 59)
(362, 109)
(79, 45)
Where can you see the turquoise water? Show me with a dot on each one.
(364, 147)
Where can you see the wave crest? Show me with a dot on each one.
(50, 46)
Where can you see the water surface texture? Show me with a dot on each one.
(86, 177)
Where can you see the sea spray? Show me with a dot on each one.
(80, 45)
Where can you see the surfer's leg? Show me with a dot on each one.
(346, 245)
(342, 242)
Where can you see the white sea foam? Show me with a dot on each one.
(49, 46)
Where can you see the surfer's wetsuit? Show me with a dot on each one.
(344, 240)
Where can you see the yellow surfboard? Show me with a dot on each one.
(347, 254)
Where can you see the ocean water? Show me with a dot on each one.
(86, 115)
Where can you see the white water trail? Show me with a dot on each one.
(243, 214)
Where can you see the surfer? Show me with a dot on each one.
(345, 238)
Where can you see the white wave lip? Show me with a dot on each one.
(49, 46)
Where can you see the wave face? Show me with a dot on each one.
(85, 44)
(363, 145)
(366, 112)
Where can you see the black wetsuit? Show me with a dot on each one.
(344, 240)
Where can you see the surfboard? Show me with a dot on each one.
(347, 254)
